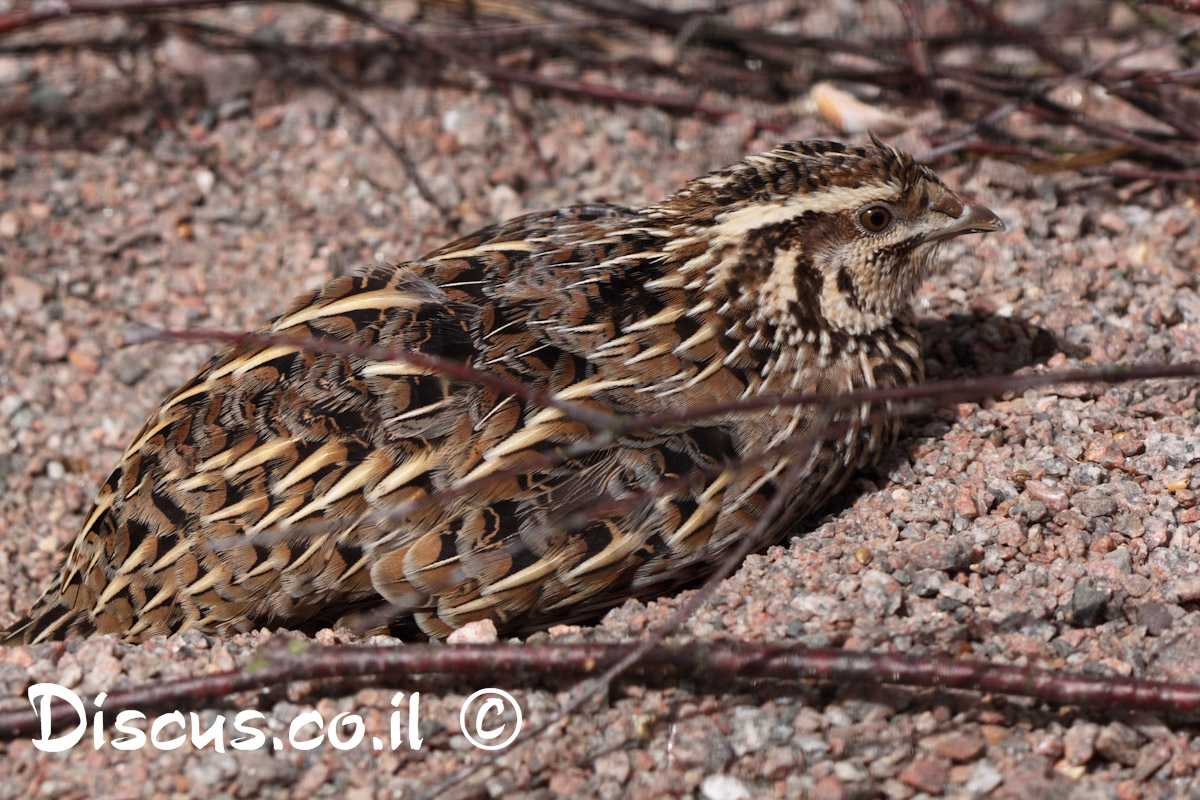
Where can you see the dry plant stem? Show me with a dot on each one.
(1070, 66)
(206, 34)
(1156, 175)
(1160, 78)
(700, 27)
(918, 52)
(1044, 107)
(29, 15)
(36, 15)
(1035, 94)
(712, 30)
(703, 662)
(944, 392)
(518, 30)
(945, 147)
(1188, 6)
(1144, 14)
(349, 98)
(497, 72)
(526, 133)
(1110, 130)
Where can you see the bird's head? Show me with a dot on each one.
(817, 235)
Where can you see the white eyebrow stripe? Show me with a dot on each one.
(740, 221)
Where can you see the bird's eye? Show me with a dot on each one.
(875, 219)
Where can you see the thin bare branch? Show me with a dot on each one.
(279, 665)
(918, 52)
(497, 72)
(23, 15)
(1037, 95)
(1188, 6)
(1068, 65)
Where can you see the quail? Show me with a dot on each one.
(293, 485)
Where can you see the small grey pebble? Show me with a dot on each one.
(1119, 742)
(1089, 474)
(880, 592)
(1029, 511)
(811, 746)
(948, 555)
(1155, 617)
(10, 404)
(1079, 743)
(1121, 559)
(927, 582)
(751, 730)
(22, 420)
(1056, 467)
(233, 108)
(130, 371)
(1184, 589)
(1178, 449)
(1136, 216)
(984, 778)
(614, 766)
(1096, 505)
(947, 604)
(1088, 603)
(1062, 648)
(724, 787)
(815, 640)
(48, 99)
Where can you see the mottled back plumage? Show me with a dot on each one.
(247, 499)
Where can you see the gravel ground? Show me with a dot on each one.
(1057, 528)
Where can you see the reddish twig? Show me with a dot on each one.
(703, 27)
(1037, 96)
(41, 13)
(1159, 78)
(918, 53)
(1188, 6)
(33, 14)
(706, 662)
(500, 73)
(526, 133)
(1156, 175)
(1068, 65)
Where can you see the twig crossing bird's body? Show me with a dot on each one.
(258, 494)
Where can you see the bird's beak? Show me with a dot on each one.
(965, 217)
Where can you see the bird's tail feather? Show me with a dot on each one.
(52, 617)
